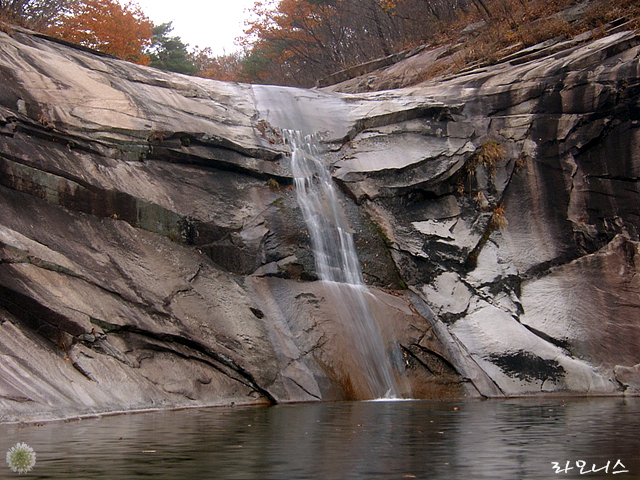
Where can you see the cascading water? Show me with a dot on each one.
(335, 253)
(337, 262)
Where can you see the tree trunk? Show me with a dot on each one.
(480, 3)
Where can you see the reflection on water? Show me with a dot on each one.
(508, 439)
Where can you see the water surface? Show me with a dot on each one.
(506, 439)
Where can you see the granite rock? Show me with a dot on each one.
(153, 255)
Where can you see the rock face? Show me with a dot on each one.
(152, 253)
(520, 230)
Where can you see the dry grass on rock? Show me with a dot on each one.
(519, 24)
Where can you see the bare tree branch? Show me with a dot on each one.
(32, 13)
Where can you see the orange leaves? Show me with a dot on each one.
(288, 35)
(225, 67)
(297, 42)
(388, 6)
(107, 26)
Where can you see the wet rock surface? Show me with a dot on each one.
(152, 253)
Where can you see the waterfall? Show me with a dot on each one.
(333, 247)
(337, 262)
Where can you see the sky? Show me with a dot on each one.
(202, 23)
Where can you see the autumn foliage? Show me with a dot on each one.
(107, 26)
(302, 42)
(227, 67)
(297, 42)
(306, 39)
(34, 14)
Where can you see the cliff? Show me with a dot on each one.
(153, 255)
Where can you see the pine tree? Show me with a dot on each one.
(169, 53)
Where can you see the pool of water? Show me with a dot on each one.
(507, 439)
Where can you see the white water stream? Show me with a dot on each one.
(300, 113)
(337, 262)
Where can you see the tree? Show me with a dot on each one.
(297, 42)
(227, 68)
(170, 53)
(34, 14)
(304, 40)
(107, 26)
(479, 4)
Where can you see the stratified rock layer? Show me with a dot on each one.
(152, 253)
